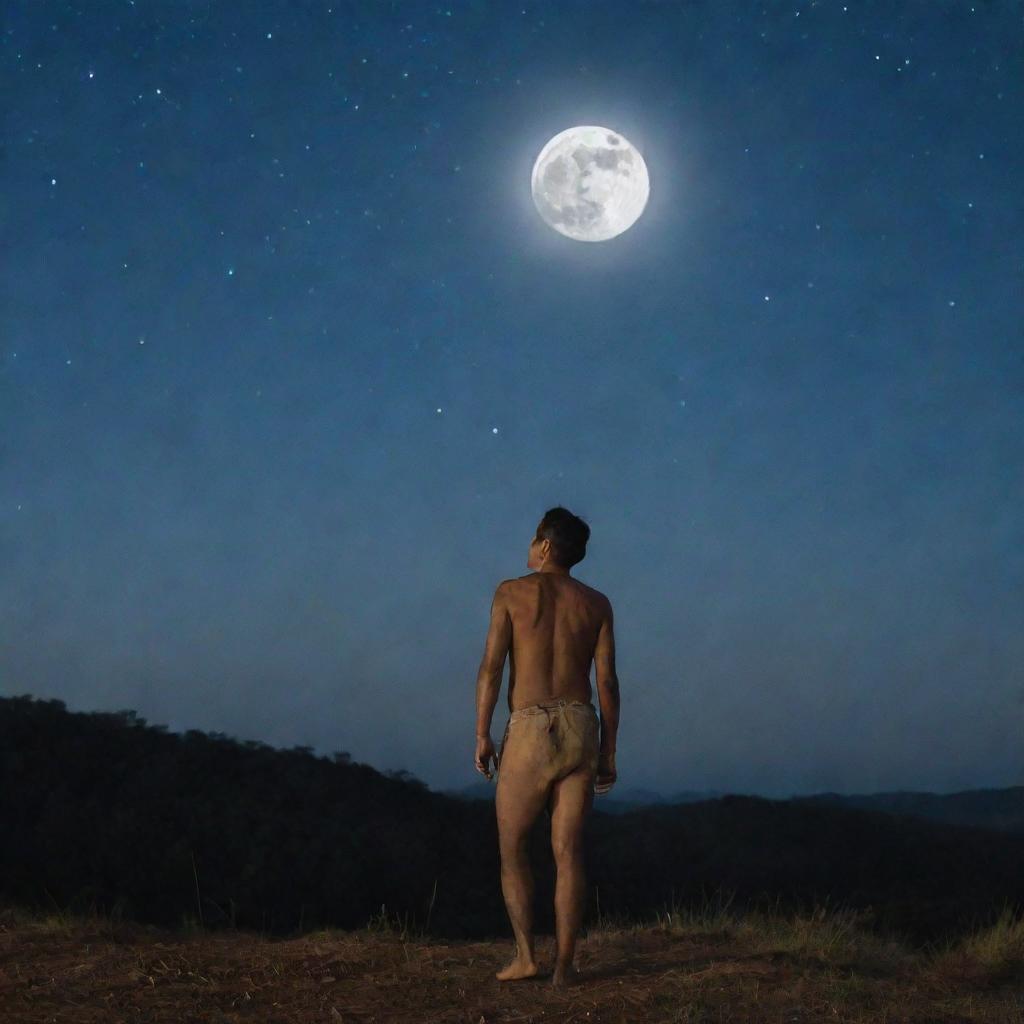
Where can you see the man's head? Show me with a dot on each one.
(560, 542)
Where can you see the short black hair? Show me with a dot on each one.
(568, 535)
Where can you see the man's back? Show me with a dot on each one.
(556, 624)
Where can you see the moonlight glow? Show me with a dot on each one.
(590, 183)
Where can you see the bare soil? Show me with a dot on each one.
(114, 971)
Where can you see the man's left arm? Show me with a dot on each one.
(488, 679)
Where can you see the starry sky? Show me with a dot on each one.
(291, 367)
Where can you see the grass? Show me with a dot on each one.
(991, 954)
(837, 936)
(689, 963)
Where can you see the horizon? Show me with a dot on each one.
(625, 794)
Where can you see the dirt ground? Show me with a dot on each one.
(121, 972)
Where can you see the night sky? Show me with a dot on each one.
(291, 367)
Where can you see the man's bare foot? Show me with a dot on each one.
(565, 976)
(517, 968)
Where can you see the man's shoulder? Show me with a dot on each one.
(595, 595)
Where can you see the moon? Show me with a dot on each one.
(590, 183)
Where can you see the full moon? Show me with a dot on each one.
(590, 183)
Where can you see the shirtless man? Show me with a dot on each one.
(552, 756)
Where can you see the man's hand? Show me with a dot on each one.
(606, 774)
(484, 755)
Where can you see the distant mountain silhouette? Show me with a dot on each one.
(101, 810)
(987, 808)
(616, 802)
(1001, 809)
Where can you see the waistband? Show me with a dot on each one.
(550, 705)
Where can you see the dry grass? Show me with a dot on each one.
(706, 965)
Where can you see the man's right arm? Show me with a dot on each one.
(607, 681)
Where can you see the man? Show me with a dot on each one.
(552, 756)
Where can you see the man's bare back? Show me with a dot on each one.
(555, 624)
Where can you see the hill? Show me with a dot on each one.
(622, 801)
(101, 810)
(1001, 809)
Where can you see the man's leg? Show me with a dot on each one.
(572, 799)
(521, 795)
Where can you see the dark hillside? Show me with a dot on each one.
(101, 809)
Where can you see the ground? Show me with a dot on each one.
(104, 971)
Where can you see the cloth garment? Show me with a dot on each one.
(551, 739)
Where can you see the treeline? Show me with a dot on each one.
(101, 810)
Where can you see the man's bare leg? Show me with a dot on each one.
(518, 801)
(572, 797)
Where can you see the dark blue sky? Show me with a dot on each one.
(291, 367)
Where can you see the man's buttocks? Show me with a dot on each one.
(555, 622)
